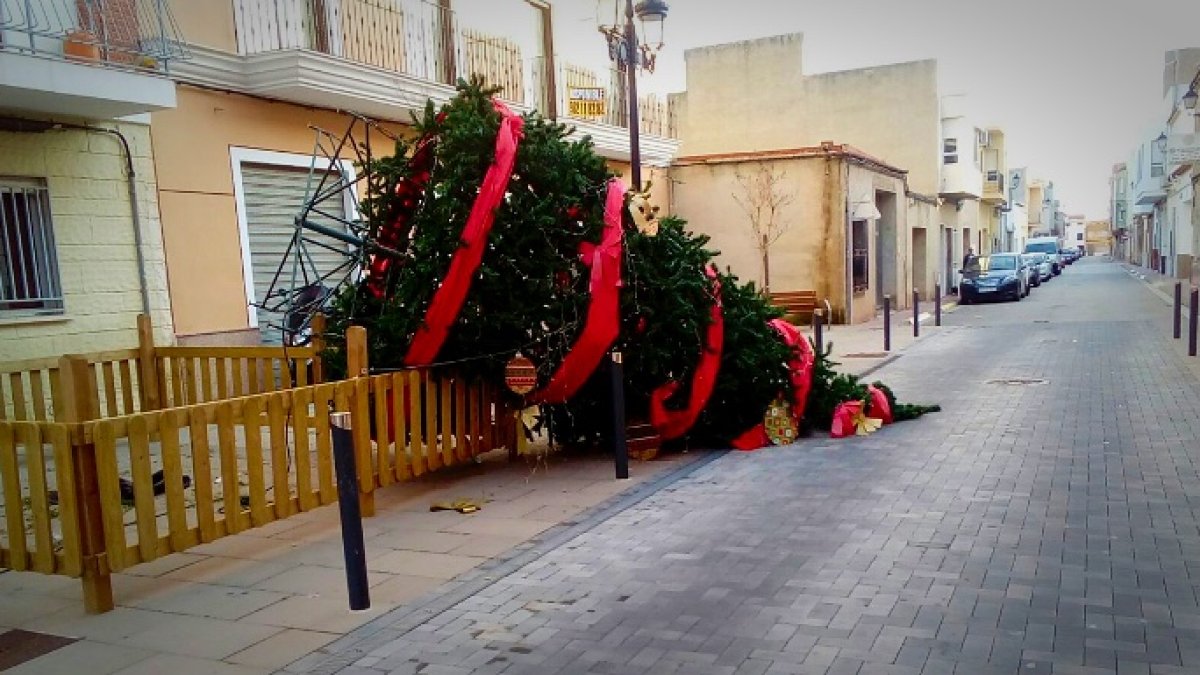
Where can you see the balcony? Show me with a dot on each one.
(386, 58)
(97, 59)
(993, 186)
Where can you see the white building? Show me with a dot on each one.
(1075, 235)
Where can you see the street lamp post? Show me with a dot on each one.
(624, 48)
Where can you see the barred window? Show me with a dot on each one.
(29, 281)
(860, 265)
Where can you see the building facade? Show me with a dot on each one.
(81, 254)
(271, 82)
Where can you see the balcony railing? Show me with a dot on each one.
(138, 34)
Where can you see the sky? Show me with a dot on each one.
(1075, 84)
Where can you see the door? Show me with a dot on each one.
(274, 196)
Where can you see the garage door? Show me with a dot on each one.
(274, 195)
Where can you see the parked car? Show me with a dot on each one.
(999, 275)
(1033, 266)
(1045, 267)
(1048, 245)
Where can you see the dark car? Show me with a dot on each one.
(998, 275)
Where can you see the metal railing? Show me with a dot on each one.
(138, 34)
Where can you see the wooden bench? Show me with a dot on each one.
(796, 305)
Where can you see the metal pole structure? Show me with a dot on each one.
(1177, 319)
(631, 66)
(1193, 307)
(937, 304)
(620, 447)
(887, 323)
(353, 549)
(819, 330)
(916, 313)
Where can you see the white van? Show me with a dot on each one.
(1048, 245)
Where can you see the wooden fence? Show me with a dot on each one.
(85, 494)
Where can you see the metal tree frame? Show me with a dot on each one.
(298, 289)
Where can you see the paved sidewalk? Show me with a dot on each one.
(859, 347)
(253, 603)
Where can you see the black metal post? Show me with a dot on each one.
(819, 330)
(353, 549)
(887, 323)
(937, 304)
(620, 448)
(1177, 319)
(916, 313)
(1193, 308)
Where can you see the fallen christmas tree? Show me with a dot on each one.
(514, 238)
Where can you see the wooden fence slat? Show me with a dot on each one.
(433, 456)
(206, 380)
(16, 384)
(189, 374)
(231, 498)
(460, 420)
(55, 393)
(68, 509)
(39, 500)
(111, 510)
(109, 378)
(447, 430)
(3, 405)
(322, 396)
(178, 385)
(37, 395)
(239, 388)
(128, 387)
(361, 427)
(202, 480)
(172, 459)
(285, 372)
(141, 466)
(301, 453)
(222, 367)
(253, 373)
(280, 481)
(10, 485)
(400, 398)
(416, 393)
(383, 395)
(252, 421)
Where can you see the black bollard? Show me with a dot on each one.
(620, 448)
(916, 313)
(819, 330)
(1193, 307)
(1177, 320)
(354, 550)
(937, 304)
(887, 323)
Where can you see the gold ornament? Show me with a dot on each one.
(864, 425)
(779, 424)
(645, 216)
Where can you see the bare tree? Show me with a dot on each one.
(763, 198)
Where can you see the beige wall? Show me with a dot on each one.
(753, 95)
(199, 215)
(206, 22)
(95, 241)
(813, 253)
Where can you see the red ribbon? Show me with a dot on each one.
(409, 191)
(675, 423)
(603, 322)
(800, 368)
(878, 406)
(448, 299)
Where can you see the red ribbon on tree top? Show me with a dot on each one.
(449, 297)
(603, 322)
(800, 368)
(675, 423)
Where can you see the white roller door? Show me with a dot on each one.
(274, 196)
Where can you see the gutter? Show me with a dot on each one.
(18, 125)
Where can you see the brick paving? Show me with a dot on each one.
(1032, 527)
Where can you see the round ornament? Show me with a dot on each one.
(520, 375)
(779, 424)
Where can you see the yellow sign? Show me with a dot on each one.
(586, 101)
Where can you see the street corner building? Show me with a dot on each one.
(81, 254)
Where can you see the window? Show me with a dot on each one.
(1079, 236)
(859, 257)
(28, 261)
(950, 150)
